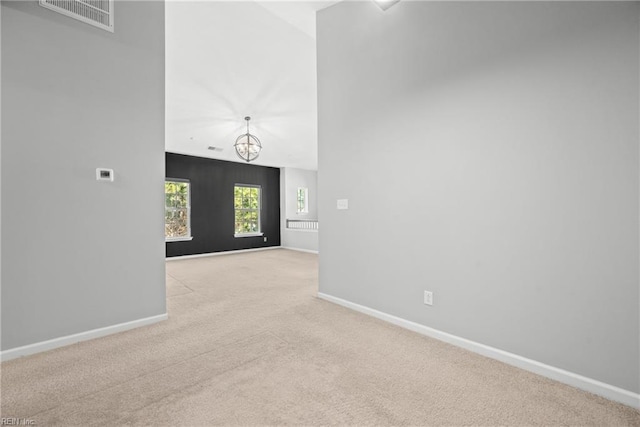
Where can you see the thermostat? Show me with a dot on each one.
(103, 174)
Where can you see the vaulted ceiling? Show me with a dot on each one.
(229, 59)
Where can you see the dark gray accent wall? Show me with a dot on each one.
(212, 214)
(81, 254)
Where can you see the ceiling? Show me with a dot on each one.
(229, 59)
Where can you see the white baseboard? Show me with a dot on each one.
(239, 251)
(584, 383)
(39, 347)
(300, 250)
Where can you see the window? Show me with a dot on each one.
(302, 200)
(246, 202)
(177, 210)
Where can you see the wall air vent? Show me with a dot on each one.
(98, 13)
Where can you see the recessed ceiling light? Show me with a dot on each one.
(385, 4)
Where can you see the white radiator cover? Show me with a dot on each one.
(98, 13)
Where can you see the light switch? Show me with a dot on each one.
(342, 204)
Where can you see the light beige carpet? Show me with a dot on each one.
(248, 343)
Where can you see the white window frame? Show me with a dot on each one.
(259, 210)
(305, 208)
(188, 236)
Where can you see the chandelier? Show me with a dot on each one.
(247, 146)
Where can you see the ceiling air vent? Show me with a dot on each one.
(98, 13)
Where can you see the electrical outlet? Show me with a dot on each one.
(103, 174)
(428, 297)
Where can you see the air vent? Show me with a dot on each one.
(98, 13)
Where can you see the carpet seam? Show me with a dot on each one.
(200, 382)
(153, 372)
(179, 281)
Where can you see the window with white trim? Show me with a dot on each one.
(302, 200)
(177, 209)
(246, 203)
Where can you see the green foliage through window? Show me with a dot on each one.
(301, 198)
(246, 203)
(177, 209)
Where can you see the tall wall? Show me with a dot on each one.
(212, 213)
(489, 153)
(83, 254)
(290, 180)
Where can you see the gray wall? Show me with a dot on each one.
(290, 180)
(0, 179)
(295, 178)
(83, 254)
(489, 152)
